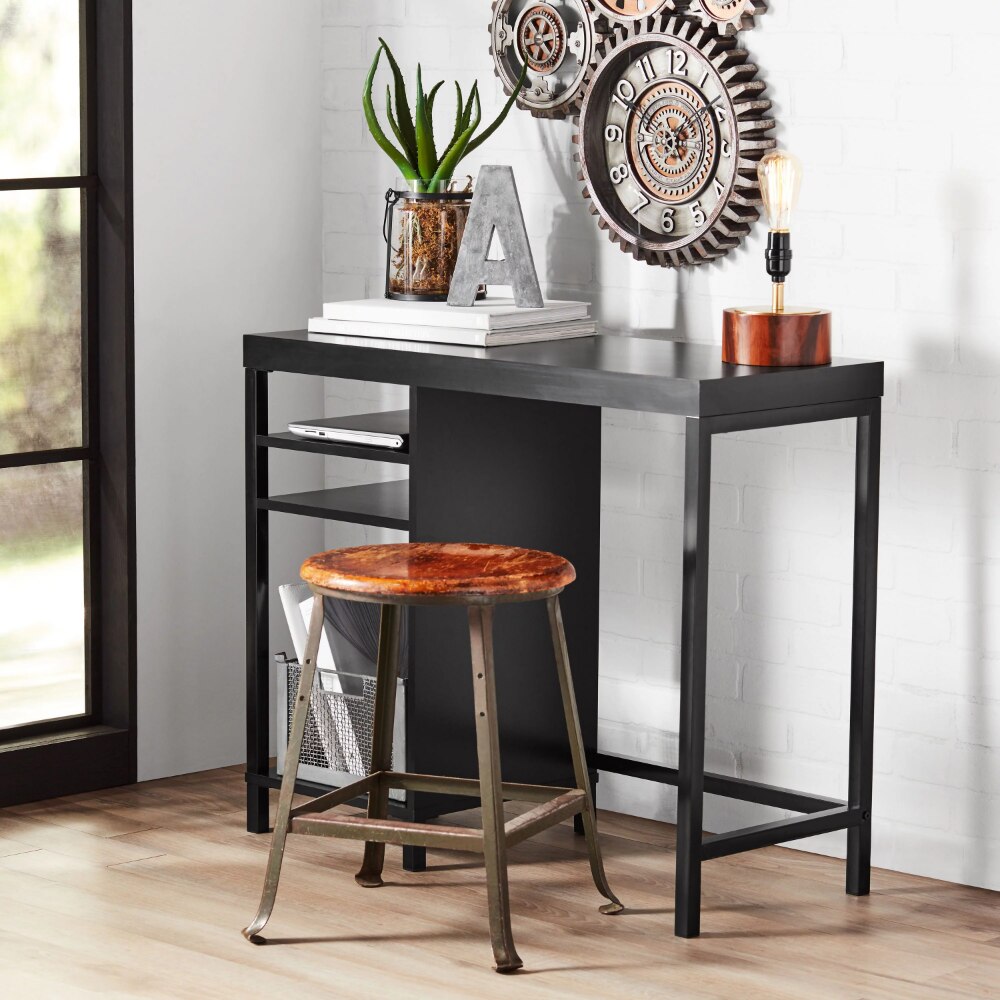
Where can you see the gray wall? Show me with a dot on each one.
(228, 210)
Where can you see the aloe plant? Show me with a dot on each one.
(418, 157)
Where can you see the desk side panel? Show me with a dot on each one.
(515, 472)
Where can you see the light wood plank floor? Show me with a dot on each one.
(141, 892)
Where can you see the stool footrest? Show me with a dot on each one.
(391, 831)
(512, 791)
(336, 798)
(545, 815)
(555, 805)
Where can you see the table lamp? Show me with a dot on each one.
(777, 337)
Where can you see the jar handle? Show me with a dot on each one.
(391, 198)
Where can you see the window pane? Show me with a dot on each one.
(40, 301)
(39, 88)
(42, 659)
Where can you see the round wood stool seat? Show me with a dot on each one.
(462, 573)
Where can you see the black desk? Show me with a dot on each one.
(506, 447)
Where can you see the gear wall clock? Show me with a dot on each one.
(672, 118)
(671, 130)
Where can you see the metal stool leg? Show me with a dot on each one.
(491, 792)
(370, 875)
(252, 931)
(579, 753)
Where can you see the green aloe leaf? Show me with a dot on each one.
(403, 115)
(454, 155)
(393, 123)
(458, 113)
(462, 120)
(427, 158)
(518, 87)
(397, 157)
(430, 101)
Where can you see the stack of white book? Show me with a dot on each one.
(493, 322)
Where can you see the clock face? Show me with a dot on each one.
(631, 10)
(667, 148)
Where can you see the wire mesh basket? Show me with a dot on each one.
(337, 745)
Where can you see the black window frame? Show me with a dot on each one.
(97, 749)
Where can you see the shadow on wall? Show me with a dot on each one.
(981, 767)
(565, 223)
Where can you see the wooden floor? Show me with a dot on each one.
(141, 892)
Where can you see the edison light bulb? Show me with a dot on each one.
(780, 182)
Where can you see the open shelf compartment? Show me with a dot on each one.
(381, 505)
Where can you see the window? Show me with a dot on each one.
(43, 655)
(66, 467)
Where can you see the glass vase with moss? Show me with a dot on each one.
(426, 213)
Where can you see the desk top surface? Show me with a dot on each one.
(620, 372)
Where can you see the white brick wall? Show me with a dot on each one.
(888, 103)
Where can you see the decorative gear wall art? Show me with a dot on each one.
(670, 133)
(729, 16)
(556, 39)
(632, 10)
(671, 114)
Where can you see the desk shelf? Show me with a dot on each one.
(381, 505)
(291, 442)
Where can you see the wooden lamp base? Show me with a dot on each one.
(798, 338)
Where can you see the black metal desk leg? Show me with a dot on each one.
(414, 859)
(258, 729)
(859, 839)
(694, 637)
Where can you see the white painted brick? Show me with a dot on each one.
(938, 575)
(913, 618)
(819, 739)
(343, 47)
(742, 726)
(790, 772)
(943, 668)
(916, 803)
(622, 488)
(643, 449)
(765, 640)
(945, 486)
(824, 558)
(746, 463)
(921, 714)
(920, 527)
(814, 692)
(824, 470)
(621, 658)
(795, 600)
(659, 705)
(979, 723)
(950, 396)
(643, 536)
(979, 444)
(798, 510)
(620, 573)
(922, 759)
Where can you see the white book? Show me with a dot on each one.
(493, 314)
(453, 335)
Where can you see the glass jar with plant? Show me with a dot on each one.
(425, 222)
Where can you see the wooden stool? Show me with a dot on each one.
(478, 577)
